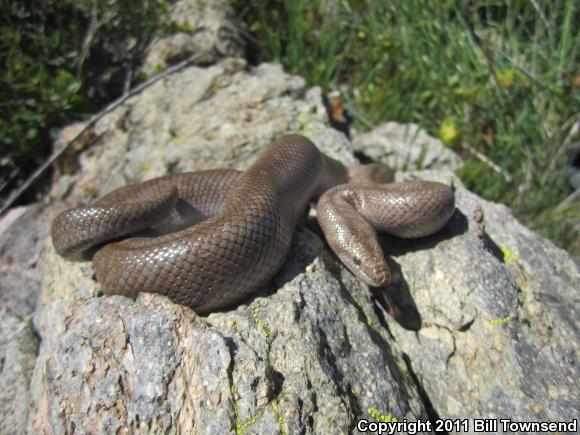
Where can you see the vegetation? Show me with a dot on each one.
(491, 75)
(59, 60)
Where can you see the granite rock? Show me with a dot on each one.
(18, 350)
(405, 147)
(22, 239)
(211, 27)
(498, 334)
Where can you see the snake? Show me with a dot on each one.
(210, 239)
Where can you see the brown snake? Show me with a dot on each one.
(244, 224)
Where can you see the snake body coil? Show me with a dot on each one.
(244, 224)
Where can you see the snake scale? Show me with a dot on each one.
(210, 239)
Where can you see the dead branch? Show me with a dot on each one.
(488, 162)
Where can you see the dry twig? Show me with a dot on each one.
(488, 162)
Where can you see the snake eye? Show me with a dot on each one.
(356, 260)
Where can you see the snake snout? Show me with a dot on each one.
(376, 274)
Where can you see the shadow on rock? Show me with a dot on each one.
(397, 300)
(396, 297)
(491, 247)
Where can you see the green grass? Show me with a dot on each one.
(500, 76)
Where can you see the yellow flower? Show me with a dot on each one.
(506, 78)
(449, 132)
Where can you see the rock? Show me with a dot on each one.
(499, 320)
(199, 118)
(314, 351)
(206, 26)
(18, 348)
(23, 232)
(405, 147)
(284, 362)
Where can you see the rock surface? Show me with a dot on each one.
(18, 350)
(199, 118)
(405, 147)
(288, 361)
(22, 238)
(303, 358)
(23, 234)
(499, 320)
(485, 322)
(211, 27)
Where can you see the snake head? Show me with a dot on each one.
(351, 237)
(370, 268)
